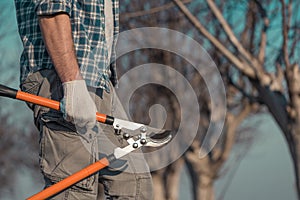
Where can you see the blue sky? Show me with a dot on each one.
(10, 48)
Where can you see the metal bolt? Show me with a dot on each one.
(143, 129)
(117, 131)
(126, 136)
(135, 145)
(143, 141)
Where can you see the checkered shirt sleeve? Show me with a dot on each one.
(88, 27)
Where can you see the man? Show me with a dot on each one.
(69, 56)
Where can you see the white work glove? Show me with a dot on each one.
(78, 106)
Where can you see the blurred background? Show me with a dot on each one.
(255, 46)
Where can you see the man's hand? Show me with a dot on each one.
(78, 106)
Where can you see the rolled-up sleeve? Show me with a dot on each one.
(51, 7)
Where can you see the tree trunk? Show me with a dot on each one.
(158, 185)
(173, 178)
(294, 147)
(206, 188)
(194, 179)
(290, 128)
(202, 176)
(166, 181)
(203, 185)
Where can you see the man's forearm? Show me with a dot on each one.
(57, 35)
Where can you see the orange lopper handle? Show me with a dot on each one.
(70, 180)
(38, 100)
(103, 118)
(15, 94)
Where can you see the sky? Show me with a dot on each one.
(264, 173)
(266, 170)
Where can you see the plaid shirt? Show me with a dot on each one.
(88, 26)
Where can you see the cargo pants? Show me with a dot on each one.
(64, 151)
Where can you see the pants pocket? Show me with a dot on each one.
(30, 86)
(63, 152)
(123, 185)
(128, 186)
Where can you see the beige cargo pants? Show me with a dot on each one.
(63, 151)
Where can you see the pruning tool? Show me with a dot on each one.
(137, 135)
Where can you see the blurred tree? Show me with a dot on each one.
(18, 149)
(262, 48)
(206, 170)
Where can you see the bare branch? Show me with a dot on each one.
(243, 67)
(152, 10)
(248, 25)
(285, 28)
(253, 26)
(294, 43)
(232, 123)
(277, 79)
(296, 32)
(233, 39)
(263, 38)
(290, 12)
(250, 97)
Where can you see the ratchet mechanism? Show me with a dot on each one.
(138, 135)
